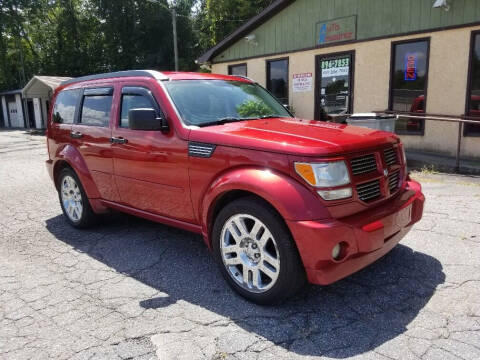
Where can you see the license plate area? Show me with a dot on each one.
(404, 216)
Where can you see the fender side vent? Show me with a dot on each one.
(200, 150)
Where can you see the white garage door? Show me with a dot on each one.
(15, 115)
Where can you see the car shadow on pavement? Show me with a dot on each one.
(345, 319)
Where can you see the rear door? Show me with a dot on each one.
(150, 166)
(91, 135)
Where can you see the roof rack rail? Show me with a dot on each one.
(130, 73)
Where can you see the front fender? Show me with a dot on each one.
(290, 198)
(72, 156)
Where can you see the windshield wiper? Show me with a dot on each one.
(272, 116)
(222, 121)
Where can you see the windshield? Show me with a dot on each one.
(206, 102)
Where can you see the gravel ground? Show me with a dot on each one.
(133, 289)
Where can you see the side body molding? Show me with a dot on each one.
(290, 198)
(73, 157)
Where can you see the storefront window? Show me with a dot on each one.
(277, 79)
(473, 99)
(409, 83)
(238, 70)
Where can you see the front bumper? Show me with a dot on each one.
(365, 237)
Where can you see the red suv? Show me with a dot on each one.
(279, 200)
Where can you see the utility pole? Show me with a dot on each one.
(175, 46)
(171, 6)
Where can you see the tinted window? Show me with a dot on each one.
(65, 104)
(474, 96)
(240, 70)
(96, 110)
(277, 79)
(409, 80)
(201, 102)
(130, 102)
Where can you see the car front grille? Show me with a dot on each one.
(390, 156)
(394, 181)
(369, 191)
(364, 164)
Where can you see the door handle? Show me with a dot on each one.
(118, 140)
(76, 135)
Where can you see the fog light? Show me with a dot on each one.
(336, 251)
(335, 194)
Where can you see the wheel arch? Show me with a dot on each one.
(288, 198)
(57, 169)
(70, 157)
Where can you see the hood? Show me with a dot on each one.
(294, 136)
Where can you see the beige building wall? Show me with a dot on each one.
(446, 93)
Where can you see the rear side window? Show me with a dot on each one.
(130, 102)
(96, 110)
(65, 104)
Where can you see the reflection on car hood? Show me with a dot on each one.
(294, 136)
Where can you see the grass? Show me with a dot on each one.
(428, 170)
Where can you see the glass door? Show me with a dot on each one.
(334, 91)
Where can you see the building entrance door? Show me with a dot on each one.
(31, 114)
(334, 84)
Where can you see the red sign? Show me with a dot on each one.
(411, 67)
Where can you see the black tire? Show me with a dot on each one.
(87, 218)
(291, 275)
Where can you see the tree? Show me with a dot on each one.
(218, 18)
(78, 37)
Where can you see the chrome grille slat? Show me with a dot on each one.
(369, 191)
(365, 168)
(367, 187)
(363, 164)
(394, 181)
(369, 196)
(390, 156)
(362, 160)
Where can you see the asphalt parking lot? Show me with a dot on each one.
(132, 289)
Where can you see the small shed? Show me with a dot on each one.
(36, 96)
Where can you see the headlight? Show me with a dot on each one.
(327, 174)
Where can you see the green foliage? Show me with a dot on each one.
(253, 109)
(78, 37)
(218, 18)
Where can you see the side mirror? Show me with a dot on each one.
(146, 120)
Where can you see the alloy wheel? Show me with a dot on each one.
(71, 198)
(250, 253)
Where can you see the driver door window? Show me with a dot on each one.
(130, 102)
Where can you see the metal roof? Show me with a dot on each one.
(245, 29)
(11, 92)
(42, 86)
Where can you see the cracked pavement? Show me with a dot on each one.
(132, 289)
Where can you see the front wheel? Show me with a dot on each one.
(256, 254)
(75, 204)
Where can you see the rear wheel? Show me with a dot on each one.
(73, 200)
(256, 254)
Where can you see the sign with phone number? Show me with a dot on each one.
(335, 67)
(335, 63)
